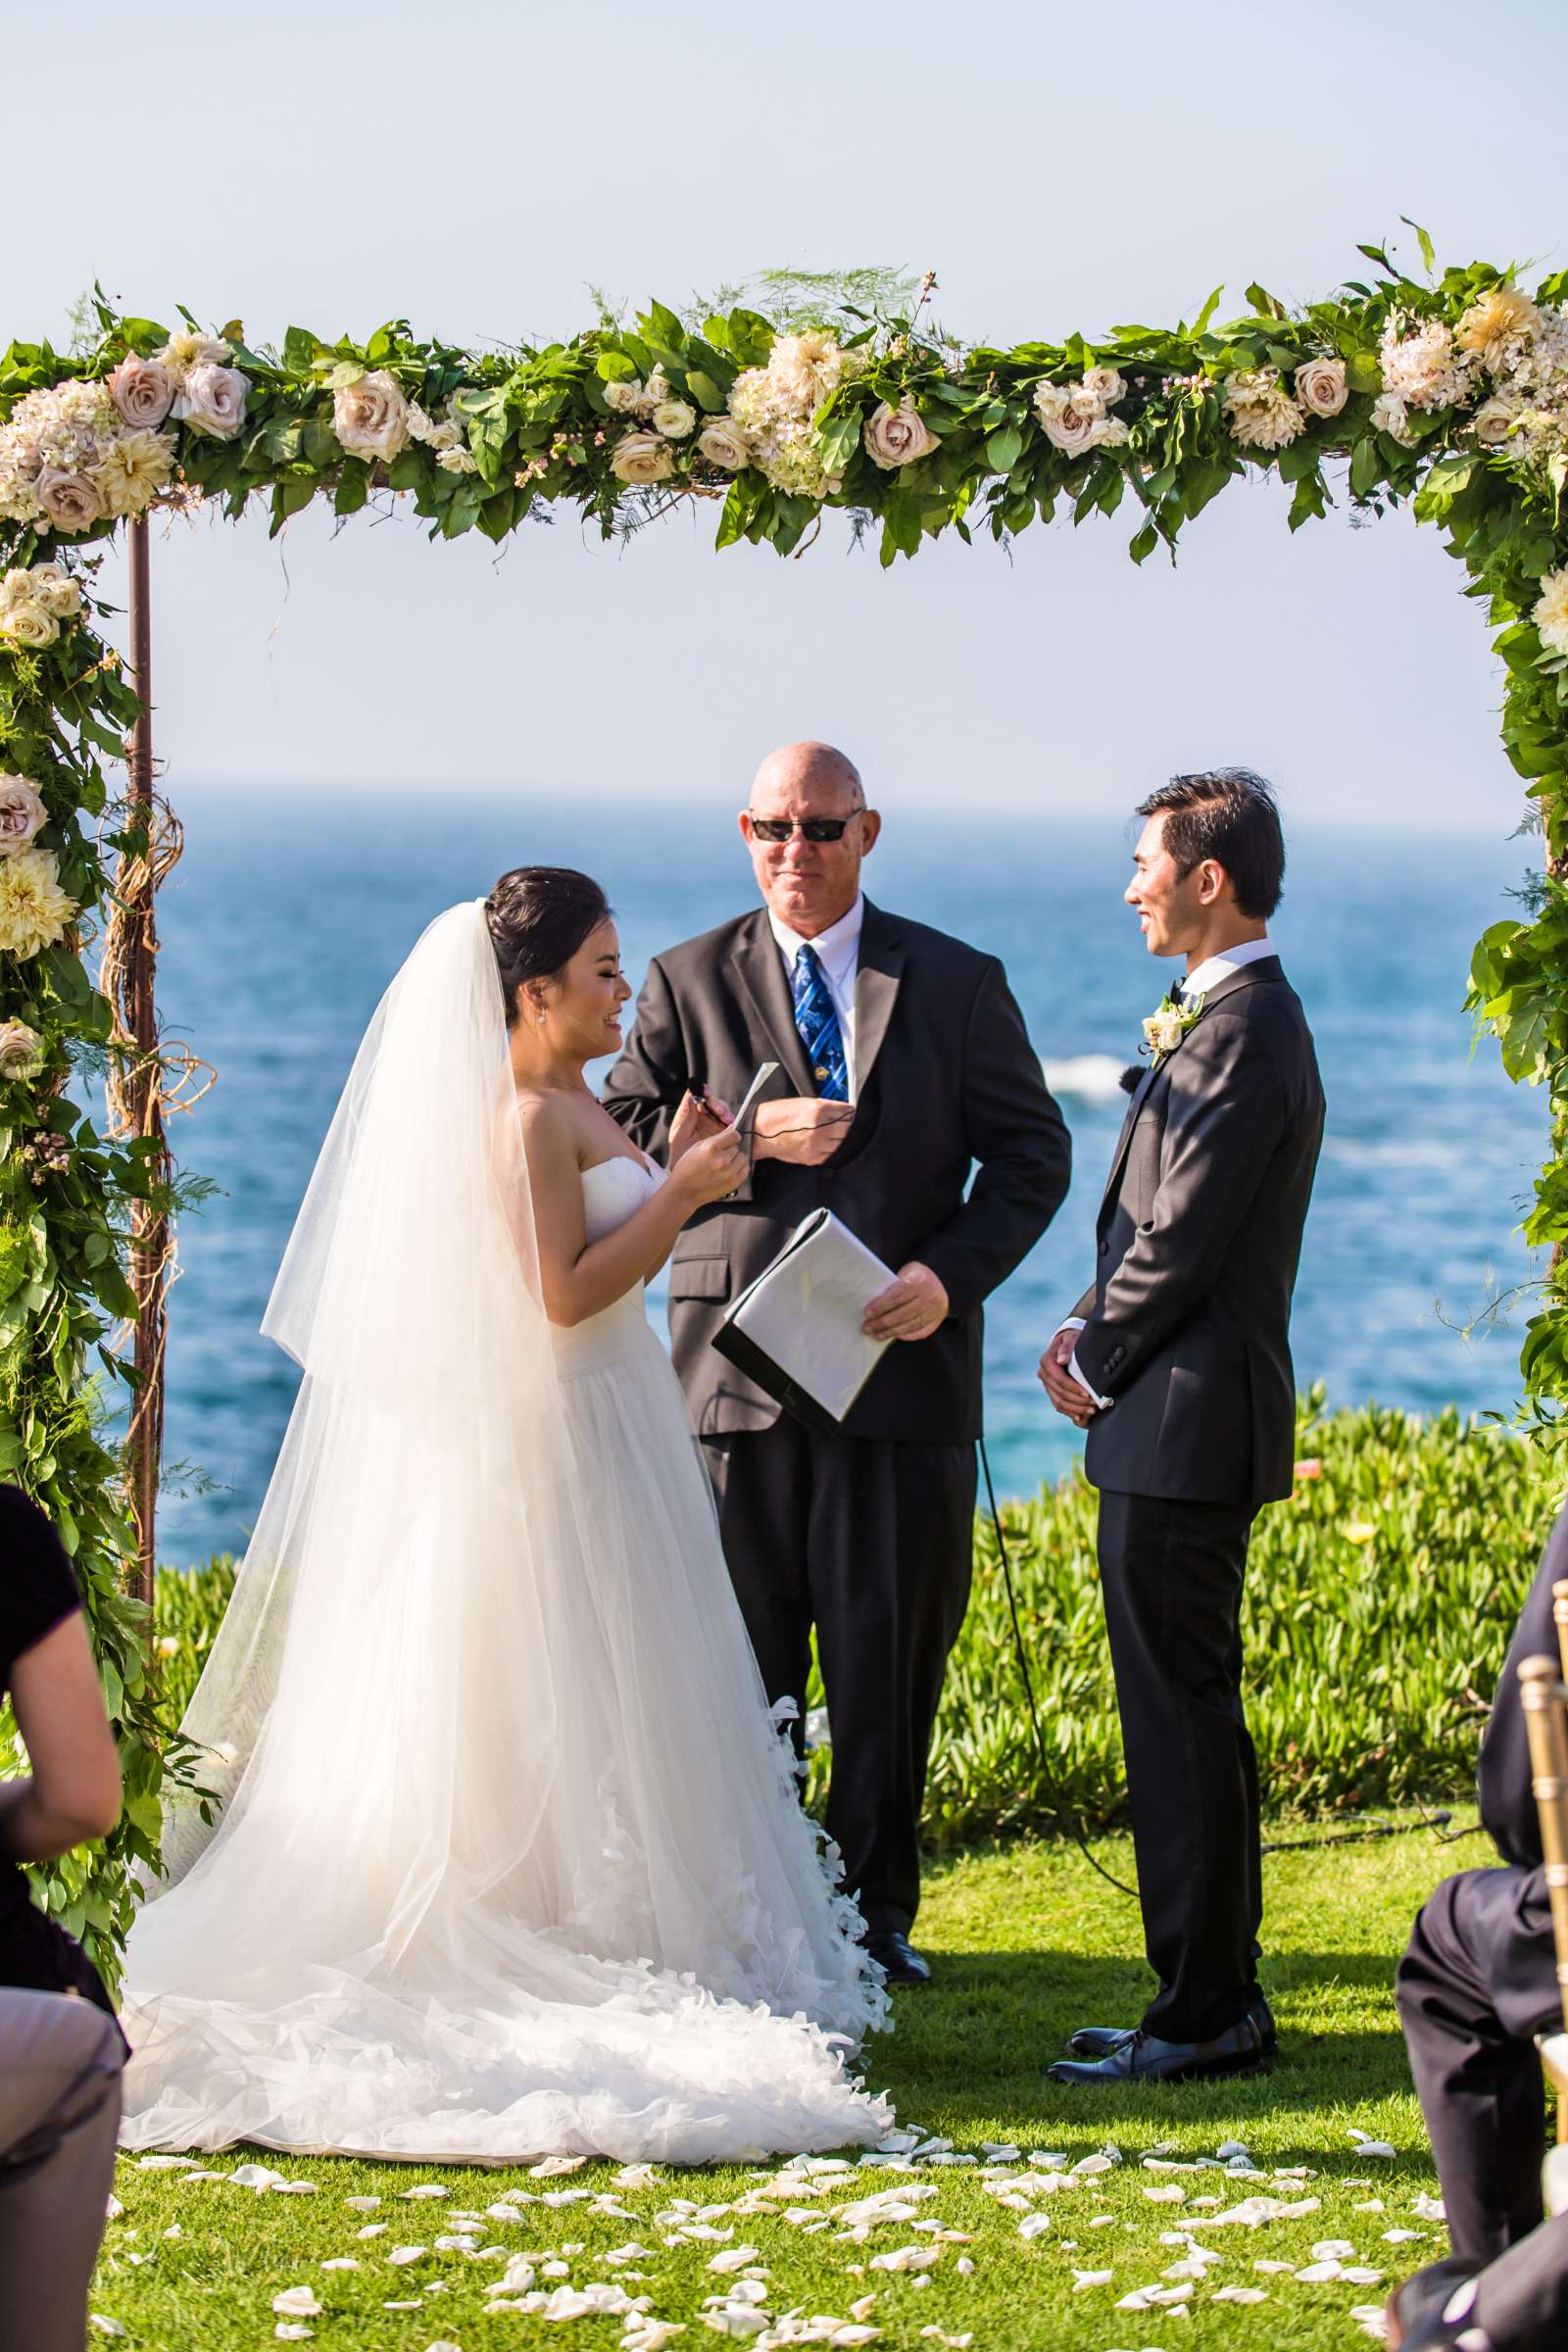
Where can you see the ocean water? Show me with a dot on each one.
(290, 913)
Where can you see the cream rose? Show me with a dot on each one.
(1321, 388)
(623, 397)
(22, 814)
(371, 418)
(72, 501)
(53, 588)
(897, 436)
(639, 459)
(34, 911)
(21, 1050)
(143, 391)
(1551, 612)
(1163, 1031)
(1492, 422)
(1070, 426)
(212, 399)
(28, 624)
(722, 443)
(1103, 384)
(674, 419)
(459, 459)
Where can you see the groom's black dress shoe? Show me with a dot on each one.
(897, 1956)
(1098, 2041)
(1147, 2059)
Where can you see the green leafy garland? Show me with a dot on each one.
(1449, 391)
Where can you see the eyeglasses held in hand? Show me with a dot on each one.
(809, 828)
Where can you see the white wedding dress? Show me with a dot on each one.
(508, 1857)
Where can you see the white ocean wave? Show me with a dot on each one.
(1086, 1077)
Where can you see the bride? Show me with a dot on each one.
(505, 1856)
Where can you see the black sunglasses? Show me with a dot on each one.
(811, 828)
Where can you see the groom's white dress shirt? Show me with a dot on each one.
(1204, 976)
(838, 950)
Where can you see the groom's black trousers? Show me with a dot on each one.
(872, 1541)
(1171, 1574)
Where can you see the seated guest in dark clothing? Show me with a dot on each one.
(1478, 1982)
(60, 2054)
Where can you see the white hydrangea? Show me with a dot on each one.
(1419, 364)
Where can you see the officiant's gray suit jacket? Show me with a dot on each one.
(1199, 1235)
(944, 1077)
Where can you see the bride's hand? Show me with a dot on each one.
(695, 1121)
(712, 1168)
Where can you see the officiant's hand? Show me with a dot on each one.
(803, 1130)
(712, 1169)
(698, 1119)
(1066, 1394)
(912, 1309)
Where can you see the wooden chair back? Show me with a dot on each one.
(1543, 1691)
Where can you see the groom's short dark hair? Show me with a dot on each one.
(1227, 813)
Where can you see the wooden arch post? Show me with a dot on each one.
(141, 1084)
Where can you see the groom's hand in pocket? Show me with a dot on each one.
(804, 1130)
(1066, 1394)
(912, 1309)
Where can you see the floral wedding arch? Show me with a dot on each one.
(1449, 392)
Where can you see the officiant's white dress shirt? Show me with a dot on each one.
(839, 951)
(1204, 976)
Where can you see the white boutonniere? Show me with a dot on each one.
(1164, 1030)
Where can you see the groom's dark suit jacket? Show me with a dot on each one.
(1198, 1235)
(944, 1077)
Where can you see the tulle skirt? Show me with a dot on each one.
(511, 1874)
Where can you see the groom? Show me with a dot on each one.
(1177, 1362)
(903, 1061)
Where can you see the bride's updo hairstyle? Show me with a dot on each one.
(538, 918)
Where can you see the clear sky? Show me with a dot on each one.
(474, 167)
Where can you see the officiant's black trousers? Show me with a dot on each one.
(1475, 1986)
(1172, 1574)
(871, 1542)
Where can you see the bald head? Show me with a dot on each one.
(808, 767)
(809, 884)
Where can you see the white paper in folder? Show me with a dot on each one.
(804, 1310)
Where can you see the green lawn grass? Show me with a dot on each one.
(1027, 1943)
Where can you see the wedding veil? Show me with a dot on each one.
(391, 1591)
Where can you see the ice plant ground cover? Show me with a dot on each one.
(1379, 1601)
(1002, 2249)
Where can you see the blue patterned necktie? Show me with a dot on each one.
(818, 1025)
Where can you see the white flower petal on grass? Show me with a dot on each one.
(1400, 2237)
(738, 2258)
(1238, 2294)
(113, 2210)
(106, 2327)
(374, 2229)
(1275, 2269)
(1083, 2280)
(1229, 2149)
(1327, 2249)
(164, 2164)
(362, 2204)
(441, 2346)
(1088, 2166)
(1034, 2225)
(1373, 2319)
(406, 2254)
(343, 2262)
(650, 2335)
(1358, 2274)
(426, 2188)
(1316, 2273)
(964, 2267)
(297, 2303)
(1429, 2209)
(292, 2331)
(1001, 2151)
(1169, 2194)
(415, 2305)
(953, 2343)
(737, 2320)
(551, 2168)
(257, 2175)
(909, 2258)
(637, 2176)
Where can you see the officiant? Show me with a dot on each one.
(904, 1068)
